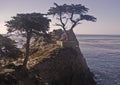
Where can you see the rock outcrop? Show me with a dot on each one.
(50, 64)
(64, 67)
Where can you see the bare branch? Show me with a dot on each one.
(73, 26)
(63, 25)
(71, 18)
(66, 21)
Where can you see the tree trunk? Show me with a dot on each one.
(66, 34)
(27, 50)
(71, 35)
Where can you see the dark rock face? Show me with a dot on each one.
(19, 78)
(64, 68)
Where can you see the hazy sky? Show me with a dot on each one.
(106, 11)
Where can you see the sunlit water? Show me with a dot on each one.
(102, 54)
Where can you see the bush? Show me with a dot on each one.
(8, 48)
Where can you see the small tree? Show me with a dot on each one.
(70, 16)
(29, 24)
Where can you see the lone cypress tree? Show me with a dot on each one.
(70, 16)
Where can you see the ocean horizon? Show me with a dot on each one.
(97, 36)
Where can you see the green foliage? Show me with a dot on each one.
(72, 14)
(76, 9)
(8, 48)
(26, 22)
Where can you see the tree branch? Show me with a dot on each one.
(71, 18)
(66, 21)
(73, 21)
(63, 25)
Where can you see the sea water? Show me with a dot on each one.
(102, 54)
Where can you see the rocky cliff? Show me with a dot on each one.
(53, 66)
(49, 64)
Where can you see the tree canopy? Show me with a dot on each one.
(71, 14)
(34, 22)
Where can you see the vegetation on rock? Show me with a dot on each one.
(8, 48)
(30, 24)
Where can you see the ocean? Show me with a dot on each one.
(102, 54)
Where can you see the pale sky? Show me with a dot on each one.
(107, 13)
